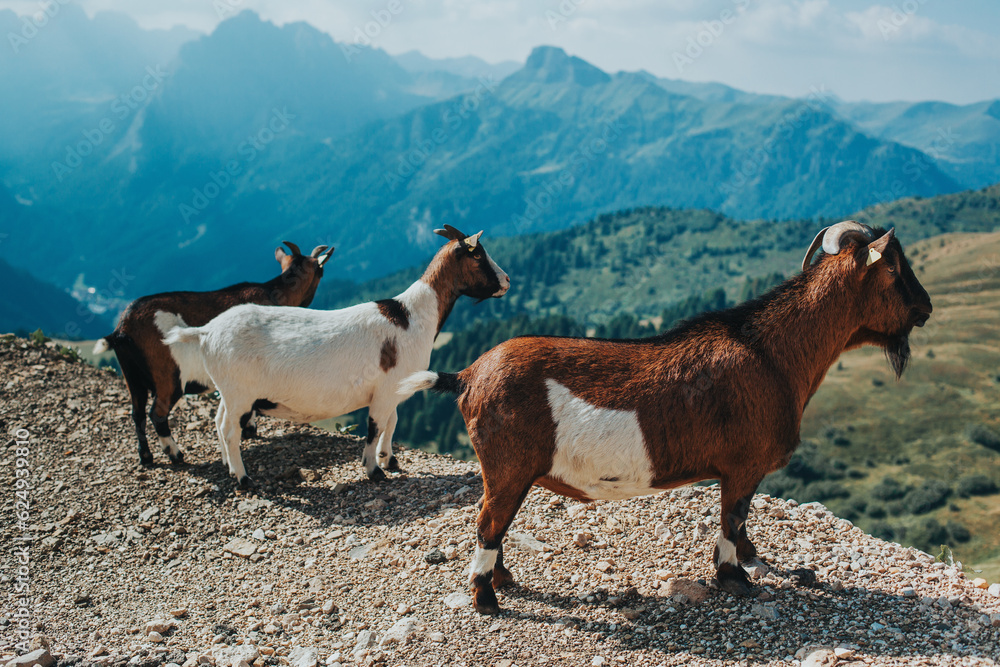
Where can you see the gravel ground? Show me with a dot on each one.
(320, 566)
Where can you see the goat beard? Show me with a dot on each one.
(897, 351)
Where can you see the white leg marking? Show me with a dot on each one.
(483, 562)
(385, 440)
(727, 551)
(169, 445)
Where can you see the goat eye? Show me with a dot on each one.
(891, 269)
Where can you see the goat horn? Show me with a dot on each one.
(294, 248)
(450, 232)
(317, 251)
(829, 238)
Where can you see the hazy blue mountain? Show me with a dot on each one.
(561, 140)
(467, 67)
(61, 79)
(962, 140)
(35, 304)
(258, 133)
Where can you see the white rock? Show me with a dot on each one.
(437, 637)
(526, 542)
(259, 534)
(155, 637)
(365, 639)
(400, 631)
(301, 656)
(823, 657)
(335, 659)
(457, 600)
(598, 661)
(232, 656)
(160, 625)
(843, 653)
(994, 590)
(37, 658)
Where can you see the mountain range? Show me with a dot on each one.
(186, 155)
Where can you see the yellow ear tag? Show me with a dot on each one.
(873, 256)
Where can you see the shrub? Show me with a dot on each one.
(981, 434)
(876, 511)
(823, 491)
(888, 489)
(929, 536)
(928, 496)
(958, 532)
(975, 485)
(887, 532)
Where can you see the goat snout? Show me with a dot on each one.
(504, 285)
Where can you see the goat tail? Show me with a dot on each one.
(448, 383)
(179, 335)
(103, 345)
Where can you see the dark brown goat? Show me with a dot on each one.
(150, 368)
(718, 397)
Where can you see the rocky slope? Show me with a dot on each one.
(318, 565)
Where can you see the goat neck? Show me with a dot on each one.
(805, 329)
(443, 276)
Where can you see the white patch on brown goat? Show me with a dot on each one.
(599, 451)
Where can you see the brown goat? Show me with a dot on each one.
(719, 397)
(150, 368)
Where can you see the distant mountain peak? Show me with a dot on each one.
(551, 64)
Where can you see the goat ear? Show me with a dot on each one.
(323, 259)
(471, 242)
(878, 247)
(279, 253)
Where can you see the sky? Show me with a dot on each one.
(906, 50)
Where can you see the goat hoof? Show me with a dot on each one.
(393, 464)
(145, 457)
(248, 432)
(376, 475)
(246, 482)
(177, 459)
(486, 602)
(734, 580)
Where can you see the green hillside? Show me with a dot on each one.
(644, 260)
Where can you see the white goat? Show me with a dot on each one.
(306, 365)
